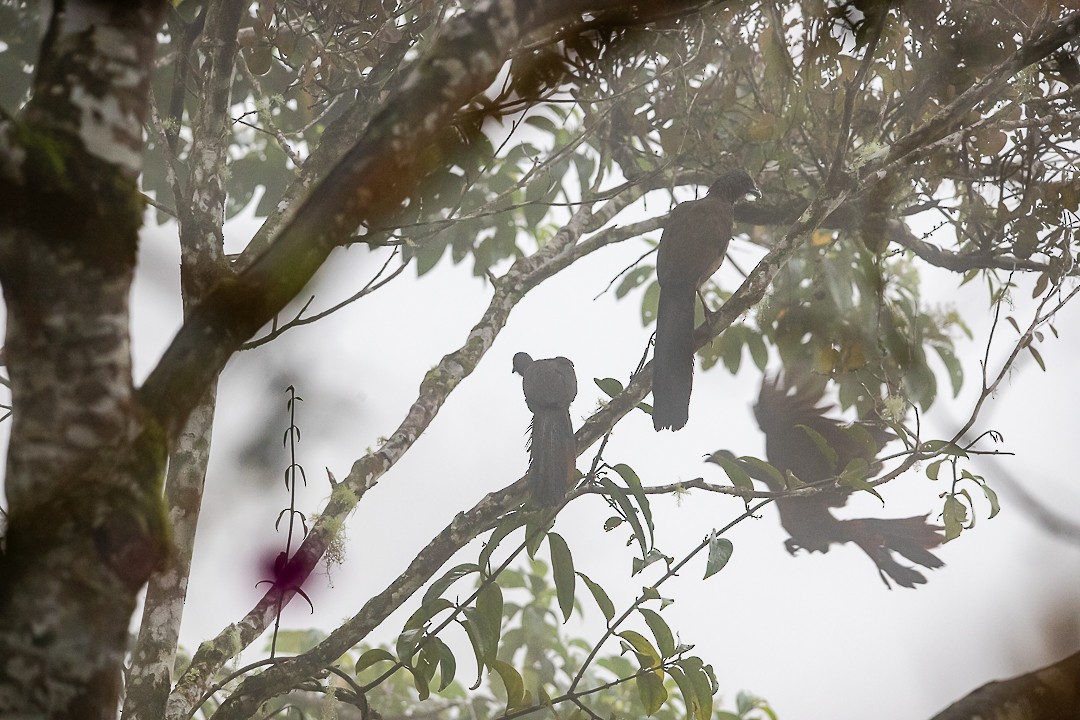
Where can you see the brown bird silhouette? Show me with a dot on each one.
(692, 247)
(550, 386)
(795, 427)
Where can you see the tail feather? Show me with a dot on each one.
(912, 538)
(673, 360)
(552, 456)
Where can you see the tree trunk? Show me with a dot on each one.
(85, 521)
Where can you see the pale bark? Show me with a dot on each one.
(85, 522)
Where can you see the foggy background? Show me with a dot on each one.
(818, 636)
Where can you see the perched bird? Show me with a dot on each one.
(693, 245)
(550, 386)
(796, 428)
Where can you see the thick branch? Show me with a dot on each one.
(1051, 693)
(366, 187)
(523, 275)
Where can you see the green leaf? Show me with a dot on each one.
(543, 123)
(649, 303)
(612, 522)
(508, 526)
(489, 611)
(934, 468)
(512, 683)
(562, 570)
(735, 472)
(407, 642)
(995, 506)
(447, 662)
(954, 515)
(702, 682)
(449, 578)
(720, 550)
(634, 278)
(1038, 358)
(610, 386)
(646, 654)
(475, 632)
(775, 477)
(372, 656)
(822, 444)
(629, 512)
(600, 596)
(943, 447)
(298, 641)
(634, 483)
(854, 476)
(953, 367)
(420, 682)
(651, 691)
(665, 641)
(686, 689)
(427, 662)
(534, 533)
(758, 352)
(427, 611)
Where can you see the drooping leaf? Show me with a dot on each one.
(407, 642)
(447, 662)
(600, 596)
(634, 483)
(651, 691)
(448, 578)
(647, 655)
(562, 570)
(735, 472)
(489, 609)
(629, 512)
(954, 515)
(686, 689)
(512, 683)
(665, 640)
(427, 611)
(420, 682)
(649, 303)
(720, 550)
(508, 526)
(854, 476)
(995, 506)
(372, 656)
(826, 450)
(633, 279)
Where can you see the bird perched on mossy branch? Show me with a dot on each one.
(550, 386)
(692, 247)
(802, 440)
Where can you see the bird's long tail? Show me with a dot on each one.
(912, 538)
(673, 360)
(551, 456)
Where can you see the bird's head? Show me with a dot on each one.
(734, 185)
(522, 360)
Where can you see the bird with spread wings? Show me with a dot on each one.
(802, 440)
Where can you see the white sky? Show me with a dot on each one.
(819, 636)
